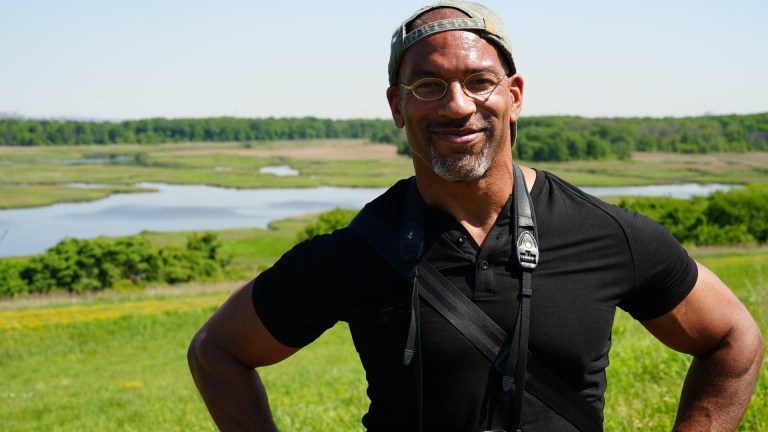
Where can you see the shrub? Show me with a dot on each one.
(735, 217)
(76, 265)
(747, 207)
(11, 283)
(327, 222)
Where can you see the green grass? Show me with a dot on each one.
(128, 372)
(644, 378)
(251, 249)
(40, 195)
(25, 184)
(125, 373)
(664, 168)
(116, 362)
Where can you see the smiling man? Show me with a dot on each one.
(480, 295)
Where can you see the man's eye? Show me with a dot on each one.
(479, 84)
(428, 85)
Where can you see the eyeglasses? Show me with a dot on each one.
(478, 84)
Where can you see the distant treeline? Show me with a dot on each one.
(551, 138)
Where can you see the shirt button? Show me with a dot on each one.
(484, 265)
(461, 240)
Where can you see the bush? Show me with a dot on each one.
(729, 235)
(746, 207)
(681, 217)
(327, 223)
(76, 265)
(11, 283)
(735, 217)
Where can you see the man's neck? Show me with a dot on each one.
(477, 204)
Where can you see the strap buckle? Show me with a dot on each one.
(527, 250)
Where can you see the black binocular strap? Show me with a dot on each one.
(489, 339)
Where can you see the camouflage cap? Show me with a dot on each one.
(480, 18)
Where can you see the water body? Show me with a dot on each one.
(682, 191)
(83, 161)
(280, 171)
(194, 207)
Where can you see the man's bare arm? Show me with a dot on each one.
(223, 356)
(712, 325)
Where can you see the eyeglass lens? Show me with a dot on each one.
(476, 84)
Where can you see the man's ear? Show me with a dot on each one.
(516, 84)
(393, 97)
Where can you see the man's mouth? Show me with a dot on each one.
(457, 136)
(461, 133)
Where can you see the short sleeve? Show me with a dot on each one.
(295, 298)
(664, 272)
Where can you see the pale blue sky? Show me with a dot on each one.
(172, 58)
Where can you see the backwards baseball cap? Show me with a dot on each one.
(480, 18)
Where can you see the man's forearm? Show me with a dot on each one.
(233, 393)
(719, 385)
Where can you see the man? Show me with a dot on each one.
(455, 90)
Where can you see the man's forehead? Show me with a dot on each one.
(463, 52)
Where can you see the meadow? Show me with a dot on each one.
(36, 176)
(116, 361)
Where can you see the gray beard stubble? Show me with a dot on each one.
(464, 167)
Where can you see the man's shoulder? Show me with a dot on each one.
(555, 188)
(389, 205)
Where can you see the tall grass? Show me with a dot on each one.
(121, 366)
(118, 363)
(644, 379)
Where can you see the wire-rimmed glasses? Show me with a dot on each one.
(476, 85)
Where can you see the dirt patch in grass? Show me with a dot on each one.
(304, 150)
(16, 150)
(712, 159)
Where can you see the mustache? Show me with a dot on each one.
(462, 123)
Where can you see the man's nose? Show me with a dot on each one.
(456, 103)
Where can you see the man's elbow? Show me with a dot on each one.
(744, 349)
(757, 344)
(198, 354)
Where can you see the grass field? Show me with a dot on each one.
(117, 362)
(43, 172)
(35, 176)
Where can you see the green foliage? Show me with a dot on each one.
(11, 283)
(746, 208)
(327, 222)
(681, 217)
(22, 132)
(735, 217)
(129, 373)
(76, 265)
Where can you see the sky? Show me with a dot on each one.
(115, 60)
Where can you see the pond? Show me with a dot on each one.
(195, 207)
(280, 171)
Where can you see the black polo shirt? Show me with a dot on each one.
(594, 257)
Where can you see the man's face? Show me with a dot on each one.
(458, 136)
